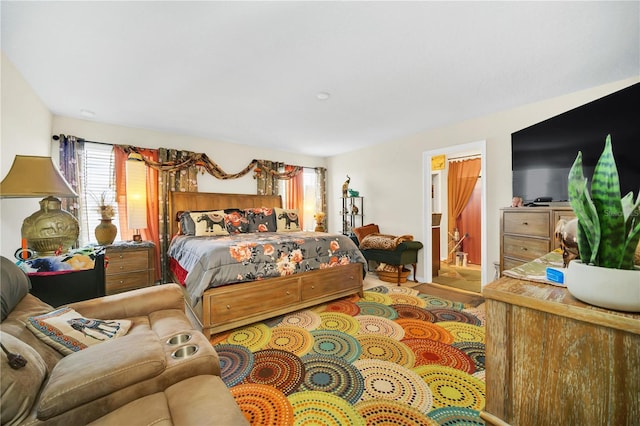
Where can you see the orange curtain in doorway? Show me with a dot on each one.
(295, 193)
(470, 223)
(152, 231)
(461, 180)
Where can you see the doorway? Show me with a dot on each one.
(435, 201)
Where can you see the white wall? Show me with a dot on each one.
(25, 130)
(389, 175)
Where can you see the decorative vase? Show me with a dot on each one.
(609, 288)
(105, 232)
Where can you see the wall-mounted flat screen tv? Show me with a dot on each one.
(542, 154)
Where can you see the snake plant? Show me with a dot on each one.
(608, 224)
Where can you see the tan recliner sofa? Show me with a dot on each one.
(148, 376)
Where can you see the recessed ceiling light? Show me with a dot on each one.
(323, 96)
(86, 113)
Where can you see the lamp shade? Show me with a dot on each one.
(34, 177)
(136, 192)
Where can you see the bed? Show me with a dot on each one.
(220, 305)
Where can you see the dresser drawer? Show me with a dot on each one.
(526, 223)
(524, 248)
(117, 283)
(266, 296)
(127, 261)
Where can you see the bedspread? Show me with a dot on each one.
(218, 260)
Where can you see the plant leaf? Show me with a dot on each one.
(605, 192)
(588, 224)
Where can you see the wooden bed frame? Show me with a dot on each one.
(227, 307)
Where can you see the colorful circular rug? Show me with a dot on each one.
(386, 349)
(254, 337)
(463, 332)
(292, 339)
(406, 299)
(414, 312)
(336, 343)
(334, 375)
(402, 290)
(386, 412)
(280, 369)
(375, 308)
(452, 387)
(429, 351)
(374, 296)
(415, 329)
(343, 306)
(263, 405)
(444, 314)
(387, 380)
(456, 416)
(340, 322)
(321, 408)
(438, 302)
(235, 363)
(304, 319)
(373, 324)
(474, 350)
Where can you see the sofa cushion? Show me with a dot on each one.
(15, 285)
(67, 331)
(287, 220)
(20, 387)
(101, 370)
(365, 230)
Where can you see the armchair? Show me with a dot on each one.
(400, 253)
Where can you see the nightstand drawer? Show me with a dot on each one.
(527, 223)
(127, 261)
(123, 282)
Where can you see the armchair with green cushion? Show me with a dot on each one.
(398, 251)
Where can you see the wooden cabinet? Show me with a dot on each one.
(553, 360)
(130, 266)
(527, 233)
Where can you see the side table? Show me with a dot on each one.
(130, 265)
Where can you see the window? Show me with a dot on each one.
(308, 209)
(99, 181)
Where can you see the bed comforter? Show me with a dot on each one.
(218, 260)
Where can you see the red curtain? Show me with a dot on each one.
(469, 223)
(152, 231)
(461, 180)
(295, 193)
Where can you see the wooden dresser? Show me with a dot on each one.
(129, 266)
(553, 360)
(526, 233)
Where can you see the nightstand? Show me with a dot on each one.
(129, 266)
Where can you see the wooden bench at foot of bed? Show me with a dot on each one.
(231, 306)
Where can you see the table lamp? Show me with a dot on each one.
(136, 194)
(50, 229)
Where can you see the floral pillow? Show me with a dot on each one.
(67, 331)
(235, 221)
(261, 219)
(208, 223)
(287, 220)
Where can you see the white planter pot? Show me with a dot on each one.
(609, 288)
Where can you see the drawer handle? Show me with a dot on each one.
(120, 256)
(288, 293)
(524, 248)
(312, 287)
(525, 223)
(122, 267)
(121, 281)
(228, 307)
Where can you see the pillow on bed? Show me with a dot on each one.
(261, 219)
(187, 226)
(287, 220)
(208, 223)
(365, 230)
(235, 221)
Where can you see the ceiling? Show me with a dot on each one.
(251, 72)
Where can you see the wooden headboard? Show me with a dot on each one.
(182, 201)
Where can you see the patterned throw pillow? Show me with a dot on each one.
(235, 221)
(287, 220)
(67, 331)
(208, 223)
(261, 219)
